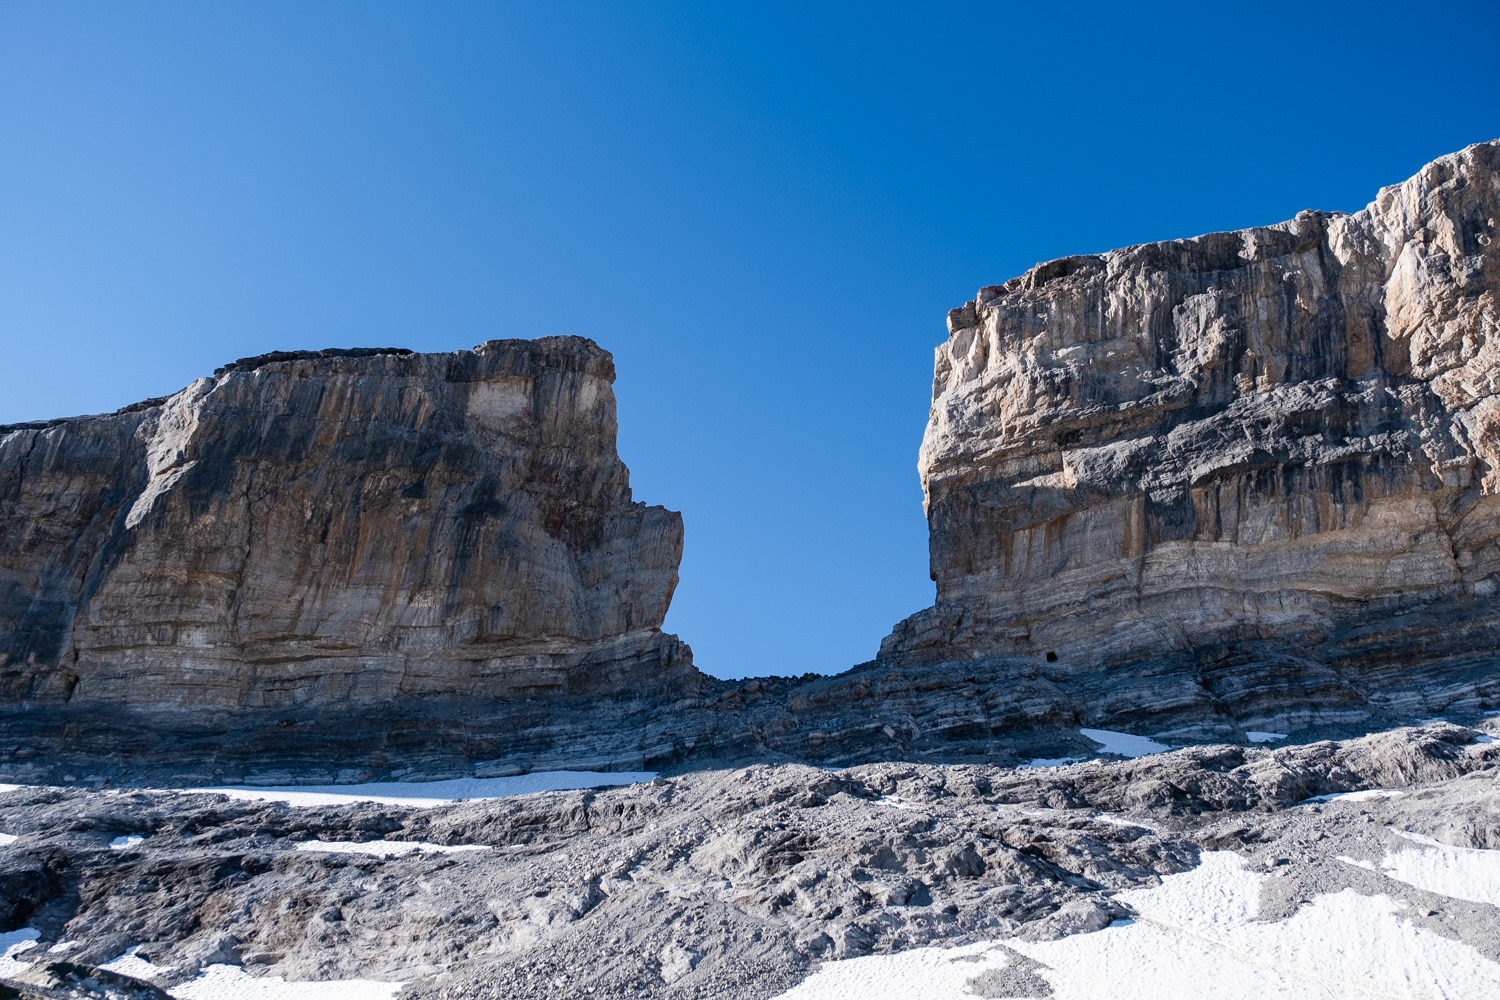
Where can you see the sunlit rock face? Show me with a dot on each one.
(338, 528)
(1243, 480)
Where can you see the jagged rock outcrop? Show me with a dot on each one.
(337, 531)
(1245, 481)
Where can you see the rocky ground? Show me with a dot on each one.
(732, 883)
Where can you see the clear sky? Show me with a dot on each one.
(764, 210)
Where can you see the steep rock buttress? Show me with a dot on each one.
(1245, 481)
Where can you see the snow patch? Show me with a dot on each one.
(1124, 744)
(931, 973)
(1110, 819)
(13, 943)
(384, 848)
(1366, 795)
(1197, 936)
(1257, 736)
(230, 982)
(1053, 762)
(427, 793)
(7, 839)
(1456, 872)
(127, 841)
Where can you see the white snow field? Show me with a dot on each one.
(1456, 872)
(13, 943)
(385, 848)
(1364, 795)
(427, 793)
(1196, 937)
(230, 982)
(1124, 744)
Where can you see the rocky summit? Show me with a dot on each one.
(1237, 494)
(1245, 481)
(1237, 483)
(308, 551)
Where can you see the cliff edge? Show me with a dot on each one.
(312, 535)
(1245, 481)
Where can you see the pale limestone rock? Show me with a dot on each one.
(1261, 467)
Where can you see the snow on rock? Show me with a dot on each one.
(1052, 762)
(1365, 795)
(428, 793)
(7, 838)
(230, 982)
(934, 972)
(126, 841)
(1124, 744)
(1196, 935)
(1456, 872)
(133, 965)
(1257, 736)
(13, 943)
(384, 848)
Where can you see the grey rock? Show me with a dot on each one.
(724, 883)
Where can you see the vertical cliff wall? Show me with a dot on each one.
(1248, 479)
(338, 529)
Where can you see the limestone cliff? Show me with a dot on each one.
(1248, 480)
(337, 529)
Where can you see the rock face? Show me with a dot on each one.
(337, 530)
(1245, 481)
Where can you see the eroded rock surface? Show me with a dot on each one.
(726, 883)
(1245, 481)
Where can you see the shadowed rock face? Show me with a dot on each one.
(337, 529)
(1243, 480)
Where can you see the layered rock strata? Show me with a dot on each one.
(334, 536)
(1249, 480)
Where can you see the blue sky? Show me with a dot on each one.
(764, 210)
